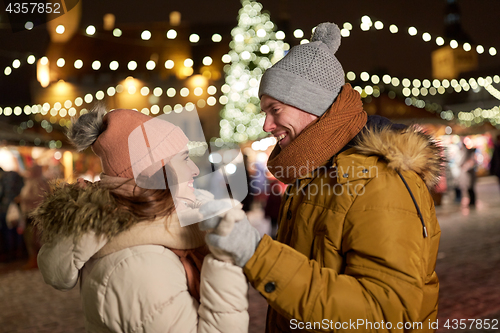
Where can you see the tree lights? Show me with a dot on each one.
(254, 48)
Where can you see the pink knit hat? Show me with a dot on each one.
(131, 142)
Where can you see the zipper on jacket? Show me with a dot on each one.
(415, 203)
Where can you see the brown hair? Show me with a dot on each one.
(148, 204)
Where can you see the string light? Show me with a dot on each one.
(171, 34)
(113, 65)
(60, 29)
(194, 38)
(150, 65)
(146, 35)
(207, 61)
(132, 65)
(90, 30)
(157, 91)
(78, 64)
(171, 92)
(216, 38)
(298, 33)
(169, 64)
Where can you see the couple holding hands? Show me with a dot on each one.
(145, 266)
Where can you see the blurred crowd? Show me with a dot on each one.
(18, 197)
(461, 173)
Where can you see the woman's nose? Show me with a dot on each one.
(194, 169)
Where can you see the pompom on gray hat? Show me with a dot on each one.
(309, 77)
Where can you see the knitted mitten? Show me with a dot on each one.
(230, 237)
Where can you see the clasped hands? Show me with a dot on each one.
(230, 236)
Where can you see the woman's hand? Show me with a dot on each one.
(230, 236)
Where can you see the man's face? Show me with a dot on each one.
(285, 122)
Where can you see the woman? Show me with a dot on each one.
(139, 269)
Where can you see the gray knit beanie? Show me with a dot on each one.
(309, 77)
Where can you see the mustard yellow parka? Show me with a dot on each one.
(351, 251)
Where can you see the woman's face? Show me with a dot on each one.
(185, 170)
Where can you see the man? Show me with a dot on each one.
(358, 235)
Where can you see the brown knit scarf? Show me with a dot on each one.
(192, 261)
(321, 139)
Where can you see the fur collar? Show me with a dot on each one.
(408, 149)
(72, 210)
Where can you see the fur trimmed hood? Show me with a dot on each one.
(407, 149)
(73, 210)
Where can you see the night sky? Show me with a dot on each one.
(374, 51)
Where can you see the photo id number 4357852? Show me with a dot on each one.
(487, 324)
(33, 7)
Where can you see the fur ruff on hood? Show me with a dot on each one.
(71, 210)
(408, 149)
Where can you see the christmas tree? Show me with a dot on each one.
(254, 48)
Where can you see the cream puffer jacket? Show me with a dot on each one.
(132, 282)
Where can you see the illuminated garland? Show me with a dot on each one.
(416, 87)
(67, 108)
(367, 24)
(61, 112)
(410, 87)
(113, 65)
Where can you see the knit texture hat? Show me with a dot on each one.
(309, 77)
(127, 142)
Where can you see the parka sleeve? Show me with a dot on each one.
(223, 299)
(61, 260)
(383, 280)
